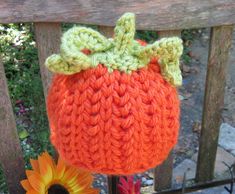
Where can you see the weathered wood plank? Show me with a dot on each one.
(151, 14)
(163, 173)
(108, 31)
(11, 156)
(48, 37)
(48, 42)
(220, 42)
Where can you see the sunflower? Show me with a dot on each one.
(50, 178)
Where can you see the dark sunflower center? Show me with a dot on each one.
(57, 189)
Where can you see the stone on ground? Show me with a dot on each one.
(187, 166)
(227, 137)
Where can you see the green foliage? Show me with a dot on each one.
(67, 26)
(3, 185)
(188, 36)
(148, 36)
(20, 60)
(185, 56)
(19, 54)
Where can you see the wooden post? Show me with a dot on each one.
(11, 156)
(220, 42)
(163, 173)
(112, 184)
(48, 42)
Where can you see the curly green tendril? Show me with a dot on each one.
(121, 52)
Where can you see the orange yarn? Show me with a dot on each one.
(113, 123)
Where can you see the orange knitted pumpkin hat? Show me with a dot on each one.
(113, 107)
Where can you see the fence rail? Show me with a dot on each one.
(169, 17)
(151, 14)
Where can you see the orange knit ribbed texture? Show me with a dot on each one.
(113, 123)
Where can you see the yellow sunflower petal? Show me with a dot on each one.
(37, 183)
(29, 173)
(32, 192)
(60, 169)
(76, 189)
(45, 169)
(81, 185)
(72, 183)
(35, 165)
(50, 161)
(85, 191)
(91, 191)
(26, 185)
(70, 175)
(84, 179)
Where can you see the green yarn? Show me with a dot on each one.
(124, 33)
(168, 51)
(122, 52)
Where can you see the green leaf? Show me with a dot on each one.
(43, 135)
(23, 134)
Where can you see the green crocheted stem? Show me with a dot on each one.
(71, 59)
(56, 64)
(122, 52)
(124, 33)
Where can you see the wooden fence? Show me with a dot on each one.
(167, 17)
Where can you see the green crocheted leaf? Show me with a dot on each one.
(71, 60)
(56, 64)
(168, 51)
(124, 33)
(78, 38)
(122, 52)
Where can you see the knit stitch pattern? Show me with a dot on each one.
(115, 122)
